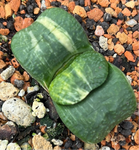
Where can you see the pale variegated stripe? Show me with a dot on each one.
(60, 34)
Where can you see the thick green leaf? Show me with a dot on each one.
(45, 46)
(94, 117)
(88, 71)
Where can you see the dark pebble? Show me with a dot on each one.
(22, 7)
(136, 17)
(18, 83)
(133, 116)
(64, 7)
(86, 8)
(107, 17)
(128, 28)
(120, 16)
(123, 6)
(79, 18)
(30, 9)
(2, 26)
(104, 25)
(81, 2)
(126, 133)
(129, 47)
(122, 143)
(133, 63)
(68, 144)
(125, 45)
(114, 40)
(109, 53)
(125, 18)
(117, 61)
(77, 3)
(114, 21)
(55, 3)
(126, 125)
(137, 7)
(135, 28)
(90, 23)
(1, 103)
(101, 51)
(10, 25)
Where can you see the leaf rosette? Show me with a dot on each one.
(91, 95)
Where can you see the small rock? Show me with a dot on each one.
(95, 14)
(130, 4)
(134, 147)
(129, 79)
(91, 146)
(135, 46)
(25, 146)
(17, 76)
(3, 144)
(39, 109)
(126, 132)
(129, 56)
(136, 137)
(40, 143)
(7, 90)
(107, 17)
(4, 31)
(8, 131)
(126, 12)
(18, 83)
(113, 29)
(111, 46)
(126, 125)
(103, 3)
(122, 37)
(18, 111)
(80, 11)
(99, 31)
(131, 22)
(105, 148)
(57, 142)
(13, 146)
(7, 73)
(110, 11)
(8, 11)
(2, 64)
(26, 76)
(15, 4)
(136, 34)
(119, 49)
(32, 88)
(36, 10)
(103, 43)
(57, 148)
(21, 93)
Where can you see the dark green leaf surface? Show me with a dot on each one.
(94, 117)
(48, 44)
(88, 71)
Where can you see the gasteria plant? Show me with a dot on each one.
(91, 95)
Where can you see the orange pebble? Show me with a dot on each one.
(129, 56)
(15, 63)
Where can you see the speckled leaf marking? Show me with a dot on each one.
(88, 71)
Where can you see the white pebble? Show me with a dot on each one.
(18, 111)
(39, 109)
(25, 146)
(7, 73)
(103, 43)
(57, 142)
(114, 56)
(13, 146)
(129, 79)
(3, 144)
(131, 22)
(105, 148)
(21, 93)
(32, 88)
